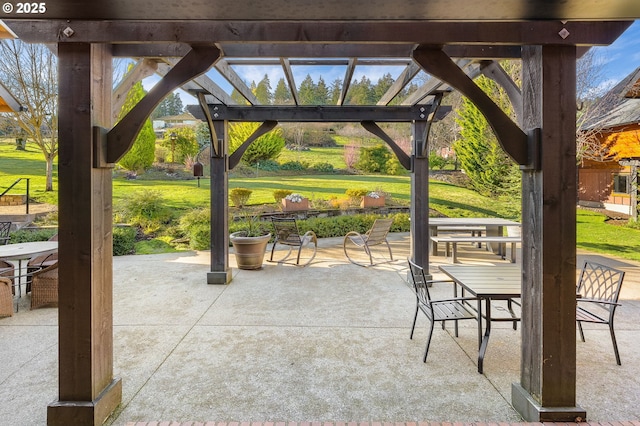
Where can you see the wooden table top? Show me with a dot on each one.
(471, 221)
(22, 251)
(490, 281)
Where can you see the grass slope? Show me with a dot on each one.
(593, 233)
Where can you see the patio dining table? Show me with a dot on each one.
(487, 283)
(493, 226)
(20, 252)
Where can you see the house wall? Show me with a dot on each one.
(595, 179)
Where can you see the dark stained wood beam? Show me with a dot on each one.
(369, 50)
(286, 68)
(331, 32)
(319, 10)
(512, 139)
(346, 81)
(236, 81)
(264, 128)
(87, 390)
(324, 113)
(402, 156)
(142, 69)
(434, 85)
(547, 391)
(150, 50)
(219, 205)
(401, 82)
(199, 84)
(494, 71)
(122, 135)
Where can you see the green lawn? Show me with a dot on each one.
(593, 233)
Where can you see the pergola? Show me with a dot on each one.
(441, 37)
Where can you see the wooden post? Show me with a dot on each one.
(420, 196)
(220, 271)
(548, 369)
(88, 392)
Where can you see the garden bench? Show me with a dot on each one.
(452, 241)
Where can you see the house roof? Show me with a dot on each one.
(8, 103)
(620, 106)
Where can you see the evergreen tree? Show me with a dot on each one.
(491, 170)
(322, 93)
(263, 91)
(336, 90)
(307, 91)
(142, 153)
(238, 98)
(282, 95)
(361, 93)
(266, 147)
(170, 105)
(384, 83)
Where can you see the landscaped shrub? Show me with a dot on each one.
(196, 226)
(124, 239)
(29, 235)
(268, 165)
(323, 167)
(356, 192)
(338, 226)
(293, 165)
(240, 196)
(267, 146)
(279, 194)
(145, 209)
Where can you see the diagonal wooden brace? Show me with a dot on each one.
(372, 127)
(265, 127)
(512, 139)
(121, 137)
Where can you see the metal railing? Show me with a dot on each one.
(14, 184)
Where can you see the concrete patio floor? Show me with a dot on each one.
(326, 342)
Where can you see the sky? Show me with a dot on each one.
(618, 60)
(622, 57)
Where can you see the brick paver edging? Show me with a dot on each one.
(629, 423)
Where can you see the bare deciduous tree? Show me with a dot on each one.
(29, 71)
(592, 103)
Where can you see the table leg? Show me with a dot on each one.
(487, 332)
(433, 247)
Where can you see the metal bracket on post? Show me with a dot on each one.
(99, 141)
(534, 143)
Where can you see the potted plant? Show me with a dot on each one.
(250, 243)
(293, 202)
(372, 199)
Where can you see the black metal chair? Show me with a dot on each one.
(5, 228)
(287, 234)
(454, 309)
(375, 236)
(598, 289)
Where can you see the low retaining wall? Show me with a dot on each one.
(13, 200)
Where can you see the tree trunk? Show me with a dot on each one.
(49, 186)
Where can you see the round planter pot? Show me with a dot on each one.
(249, 251)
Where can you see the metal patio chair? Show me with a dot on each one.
(5, 228)
(375, 236)
(599, 289)
(453, 309)
(287, 234)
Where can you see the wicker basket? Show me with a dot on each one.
(44, 287)
(6, 298)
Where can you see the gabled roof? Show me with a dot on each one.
(620, 106)
(8, 103)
